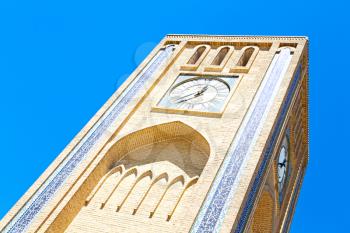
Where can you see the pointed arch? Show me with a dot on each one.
(132, 171)
(177, 179)
(146, 174)
(156, 180)
(263, 218)
(171, 132)
(155, 165)
(118, 169)
(187, 186)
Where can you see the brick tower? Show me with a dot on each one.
(208, 134)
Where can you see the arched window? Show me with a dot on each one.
(247, 54)
(220, 56)
(200, 52)
(246, 59)
(223, 54)
(196, 55)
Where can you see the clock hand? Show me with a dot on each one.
(198, 93)
(281, 164)
(187, 95)
(202, 91)
(184, 100)
(195, 96)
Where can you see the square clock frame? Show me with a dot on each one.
(201, 95)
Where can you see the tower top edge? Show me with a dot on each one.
(241, 37)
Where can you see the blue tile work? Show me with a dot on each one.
(267, 154)
(213, 211)
(293, 202)
(57, 179)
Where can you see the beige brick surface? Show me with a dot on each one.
(152, 170)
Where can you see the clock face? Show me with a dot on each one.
(199, 93)
(192, 94)
(282, 165)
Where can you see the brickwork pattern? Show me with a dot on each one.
(186, 150)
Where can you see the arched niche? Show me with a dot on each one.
(220, 59)
(160, 143)
(263, 218)
(199, 53)
(246, 57)
(143, 176)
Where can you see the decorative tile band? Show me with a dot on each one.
(28, 212)
(286, 225)
(215, 206)
(267, 154)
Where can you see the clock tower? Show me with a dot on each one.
(208, 134)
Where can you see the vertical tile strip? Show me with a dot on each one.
(267, 154)
(28, 212)
(216, 203)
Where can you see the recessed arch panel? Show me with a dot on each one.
(245, 59)
(198, 55)
(219, 61)
(143, 175)
(263, 217)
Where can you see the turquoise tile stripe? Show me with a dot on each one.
(57, 179)
(214, 208)
(267, 154)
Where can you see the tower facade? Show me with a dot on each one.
(208, 134)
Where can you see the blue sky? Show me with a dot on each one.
(61, 60)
